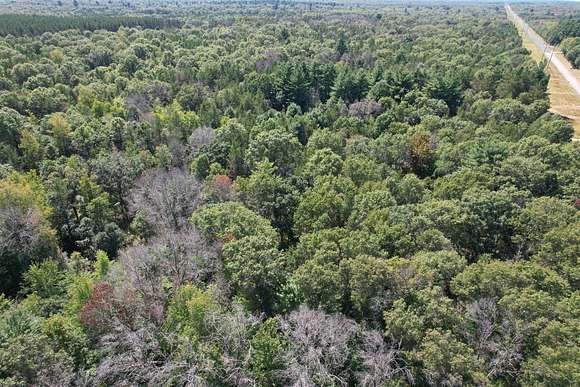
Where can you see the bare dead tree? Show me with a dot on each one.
(152, 356)
(200, 138)
(232, 332)
(366, 108)
(56, 375)
(498, 339)
(19, 228)
(269, 58)
(137, 104)
(179, 153)
(219, 189)
(320, 347)
(180, 257)
(24, 239)
(166, 198)
(136, 357)
(382, 361)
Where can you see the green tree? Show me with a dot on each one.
(554, 364)
(277, 146)
(320, 285)
(231, 221)
(10, 124)
(292, 85)
(187, 312)
(323, 162)
(266, 362)
(44, 101)
(559, 249)
(255, 268)
(446, 88)
(361, 169)
(327, 204)
(350, 85)
(447, 361)
(25, 233)
(539, 217)
(271, 196)
(495, 279)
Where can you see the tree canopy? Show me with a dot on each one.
(282, 194)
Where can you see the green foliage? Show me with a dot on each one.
(187, 311)
(176, 122)
(296, 194)
(555, 362)
(232, 221)
(569, 27)
(559, 250)
(320, 285)
(271, 196)
(447, 361)
(496, 279)
(255, 268)
(540, 216)
(361, 169)
(47, 282)
(327, 204)
(25, 359)
(45, 101)
(19, 25)
(350, 85)
(66, 335)
(366, 202)
(277, 146)
(323, 162)
(571, 48)
(446, 89)
(102, 264)
(79, 291)
(266, 361)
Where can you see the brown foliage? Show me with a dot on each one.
(102, 307)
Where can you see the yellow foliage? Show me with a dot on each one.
(25, 190)
(56, 55)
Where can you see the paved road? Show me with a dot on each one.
(562, 67)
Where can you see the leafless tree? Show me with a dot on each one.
(19, 229)
(269, 58)
(166, 198)
(181, 257)
(218, 189)
(321, 346)
(365, 109)
(24, 239)
(232, 332)
(201, 137)
(151, 356)
(179, 152)
(498, 339)
(382, 362)
(136, 357)
(56, 375)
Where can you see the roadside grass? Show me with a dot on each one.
(563, 100)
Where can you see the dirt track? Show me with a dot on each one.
(564, 86)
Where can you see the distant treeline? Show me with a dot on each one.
(20, 25)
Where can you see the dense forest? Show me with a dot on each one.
(282, 194)
(18, 25)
